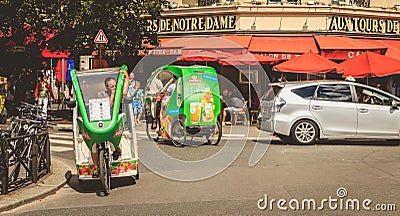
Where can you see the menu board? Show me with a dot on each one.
(99, 109)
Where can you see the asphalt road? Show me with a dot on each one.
(334, 174)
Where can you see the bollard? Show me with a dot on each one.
(4, 171)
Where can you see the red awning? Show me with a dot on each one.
(188, 45)
(162, 42)
(342, 48)
(369, 64)
(56, 54)
(203, 56)
(203, 43)
(307, 63)
(247, 59)
(240, 40)
(282, 48)
(393, 46)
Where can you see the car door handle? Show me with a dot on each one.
(317, 107)
(363, 110)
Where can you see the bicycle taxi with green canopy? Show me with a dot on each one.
(188, 105)
(100, 129)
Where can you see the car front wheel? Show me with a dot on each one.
(304, 132)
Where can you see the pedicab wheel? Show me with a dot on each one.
(104, 171)
(216, 134)
(178, 133)
(152, 132)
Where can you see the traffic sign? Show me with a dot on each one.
(101, 37)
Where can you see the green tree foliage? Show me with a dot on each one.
(76, 22)
(22, 21)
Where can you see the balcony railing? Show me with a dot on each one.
(359, 3)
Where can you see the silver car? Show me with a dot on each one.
(303, 112)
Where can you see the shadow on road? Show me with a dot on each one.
(188, 142)
(347, 142)
(94, 186)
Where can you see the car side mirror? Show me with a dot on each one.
(394, 105)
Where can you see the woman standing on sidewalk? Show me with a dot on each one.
(42, 93)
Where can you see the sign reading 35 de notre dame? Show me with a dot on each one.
(185, 24)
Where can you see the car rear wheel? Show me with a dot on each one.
(304, 132)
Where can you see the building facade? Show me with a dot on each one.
(283, 29)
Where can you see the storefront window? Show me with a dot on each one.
(246, 74)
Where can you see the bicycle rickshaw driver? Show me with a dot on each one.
(110, 84)
(155, 90)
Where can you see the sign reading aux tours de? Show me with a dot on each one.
(365, 25)
(184, 24)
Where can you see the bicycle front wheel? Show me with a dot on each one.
(104, 170)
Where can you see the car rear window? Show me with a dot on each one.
(271, 92)
(305, 92)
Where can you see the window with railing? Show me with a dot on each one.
(274, 2)
(294, 2)
(208, 2)
(359, 3)
(297, 2)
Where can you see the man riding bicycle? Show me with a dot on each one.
(110, 84)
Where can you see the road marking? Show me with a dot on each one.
(60, 148)
(61, 136)
(61, 141)
(234, 135)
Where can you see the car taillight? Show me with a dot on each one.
(279, 103)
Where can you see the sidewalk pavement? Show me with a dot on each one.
(45, 186)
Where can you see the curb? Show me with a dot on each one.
(45, 186)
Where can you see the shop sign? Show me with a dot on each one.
(280, 56)
(160, 52)
(364, 25)
(187, 24)
(344, 54)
